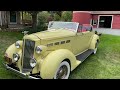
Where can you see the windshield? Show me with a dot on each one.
(63, 25)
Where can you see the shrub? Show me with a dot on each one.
(45, 15)
(41, 23)
(26, 16)
(66, 16)
(56, 17)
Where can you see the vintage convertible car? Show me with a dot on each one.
(53, 53)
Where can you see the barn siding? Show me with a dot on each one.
(116, 22)
(82, 17)
(95, 17)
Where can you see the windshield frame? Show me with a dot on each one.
(74, 30)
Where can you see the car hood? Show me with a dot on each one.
(50, 34)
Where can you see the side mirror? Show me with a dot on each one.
(99, 34)
(96, 32)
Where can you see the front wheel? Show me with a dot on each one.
(63, 71)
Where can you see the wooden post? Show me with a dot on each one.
(22, 18)
(0, 18)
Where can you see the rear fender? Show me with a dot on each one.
(93, 41)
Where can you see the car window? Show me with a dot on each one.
(63, 25)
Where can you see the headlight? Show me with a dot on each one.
(16, 57)
(32, 62)
(38, 49)
(17, 44)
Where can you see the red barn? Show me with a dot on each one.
(99, 19)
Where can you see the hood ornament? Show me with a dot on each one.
(25, 32)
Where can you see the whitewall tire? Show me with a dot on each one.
(96, 46)
(95, 50)
(63, 71)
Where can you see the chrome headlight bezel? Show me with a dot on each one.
(38, 49)
(17, 44)
(33, 62)
(16, 57)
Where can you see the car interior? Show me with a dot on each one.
(83, 28)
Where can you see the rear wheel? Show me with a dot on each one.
(63, 71)
(96, 46)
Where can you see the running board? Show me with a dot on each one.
(84, 55)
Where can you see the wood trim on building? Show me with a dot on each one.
(104, 15)
(0, 19)
(82, 12)
(105, 12)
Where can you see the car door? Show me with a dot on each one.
(82, 41)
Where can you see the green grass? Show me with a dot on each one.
(104, 65)
(6, 39)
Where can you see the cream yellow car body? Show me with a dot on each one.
(52, 55)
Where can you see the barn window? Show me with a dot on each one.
(95, 22)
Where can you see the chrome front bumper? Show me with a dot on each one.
(23, 75)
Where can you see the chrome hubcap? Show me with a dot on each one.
(62, 72)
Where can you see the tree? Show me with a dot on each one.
(56, 17)
(66, 16)
(45, 14)
(56, 12)
(34, 18)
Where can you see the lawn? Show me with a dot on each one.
(6, 39)
(104, 65)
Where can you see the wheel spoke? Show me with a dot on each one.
(62, 72)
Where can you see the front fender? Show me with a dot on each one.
(93, 41)
(12, 49)
(53, 60)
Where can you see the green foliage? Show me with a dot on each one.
(41, 23)
(42, 20)
(66, 16)
(44, 15)
(56, 17)
(26, 16)
(33, 12)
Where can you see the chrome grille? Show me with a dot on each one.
(28, 54)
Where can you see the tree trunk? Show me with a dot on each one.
(34, 20)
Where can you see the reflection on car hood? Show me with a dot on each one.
(49, 34)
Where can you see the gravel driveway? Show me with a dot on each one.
(108, 31)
